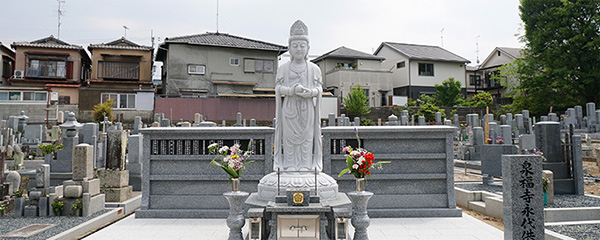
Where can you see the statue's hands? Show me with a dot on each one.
(297, 88)
(306, 93)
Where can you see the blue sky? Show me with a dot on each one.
(356, 24)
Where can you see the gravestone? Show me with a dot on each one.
(357, 121)
(42, 176)
(134, 160)
(33, 134)
(18, 157)
(70, 139)
(60, 117)
(544, 118)
(527, 143)
(115, 150)
(553, 117)
(473, 120)
(493, 131)
(165, 122)
(510, 121)
(506, 134)
(346, 121)
(579, 116)
(522, 194)
(22, 121)
(393, 120)
(238, 120)
(89, 135)
(448, 122)
(422, 121)
(548, 140)
(438, 118)
(197, 118)
(331, 118)
(404, 120)
(502, 119)
(83, 164)
(519, 123)
(244, 123)
(13, 123)
(13, 178)
(455, 120)
(137, 125)
(252, 122)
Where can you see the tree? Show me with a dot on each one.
(561, 65)
(482, 99)
(448, 92)
(357, 102)
(428, 110)
(102, 109)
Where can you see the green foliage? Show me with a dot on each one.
(57, 205)
(357, 102)
(454, 111)
(481, 100)
(49, 148)
(102, 109)
(18, 194)
(561, 65)
(366, 122)
(448, 92)
(428, 110)
(427, 99)
(76, 205)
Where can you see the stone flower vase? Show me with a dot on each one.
(236, 220)
(360, 219)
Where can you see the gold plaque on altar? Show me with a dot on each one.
(298, 197)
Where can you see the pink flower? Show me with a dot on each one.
(355, 166)
(346, 149)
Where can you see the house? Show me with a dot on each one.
(472, 84)
(417, 68)
(121, 71)
(7, 67)
(218, 64)
(343, 68)
(47, 76)
(490, 67)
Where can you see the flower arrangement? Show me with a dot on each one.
(489, 140)
(546, 184)
(233, 159)
(359, 160)
(499, 140)
(537, 151)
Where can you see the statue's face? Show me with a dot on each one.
(298, 49)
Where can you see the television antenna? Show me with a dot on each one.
(477, 47)
(60, 13)
(442, 36)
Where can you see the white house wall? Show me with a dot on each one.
(145, 101)
(399, 75)
(495, 60)
(441, 72)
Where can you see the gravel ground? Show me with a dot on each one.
(560, 201)
(579, 232)
(9, 223)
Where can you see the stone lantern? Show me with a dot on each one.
(22, 121)
(71, 126)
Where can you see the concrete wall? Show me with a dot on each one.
(35, 111)
(216, 109)
(179, 182)
(216, 60)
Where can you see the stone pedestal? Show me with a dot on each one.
(360, 219)
(236, 220)
(327, 187)
(114, 184)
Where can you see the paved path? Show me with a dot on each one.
(462, 228)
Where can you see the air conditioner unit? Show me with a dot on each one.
(53, 96)
(19, 74)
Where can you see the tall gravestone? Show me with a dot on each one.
(115, 179)
(579, 116)
(22, 121)
(134, 160)
(137, 125)
(238, 120)
(438, 118)
(455, 120)
(506, 134)
(89, 135)
(331, 118)
(33, 135)
(522, 194)
(70, 139)
(422, 121)
(548, 140)
(116, 149)
(13, 123)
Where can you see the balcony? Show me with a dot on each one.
(119, 70)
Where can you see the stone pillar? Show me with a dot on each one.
(519, 123)
(522, 194)
(252, 122)
(356, 121)
(550, 176)
(548, 140)
(510, 121)
(134, 160)
(404, 120)
(455, 120)
(502, 119)
(83, 165)
(165, 122)
(553, 117)
(238, 120)
(579, 116)
(478, 136)
(42, 176)
(360, 219)
(346, 121)
(577, 165)
(438, 118)
(137, 125)
(89, 135)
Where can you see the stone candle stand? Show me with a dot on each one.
(236, 220)
(360, 219)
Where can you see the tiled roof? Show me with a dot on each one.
(226, 40)
(513, 52)
(344, 52)
(49, 42)
(423, 52)
(120, 43)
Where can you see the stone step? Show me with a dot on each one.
(558, 168)
(477, 206)
(564, 186)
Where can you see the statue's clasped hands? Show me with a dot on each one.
(301, 91)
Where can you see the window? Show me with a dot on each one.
(47, 68)
(23, 96)
(367, 94)
(400, 64)
(474, 80)
(64, 100)
(425, 69)
(196, 69)
(259, 66)
(234, 62)
(499, 53)
(122, 100)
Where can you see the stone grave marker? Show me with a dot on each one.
(42, 176)
(115, 150)
(89, 135)
(346, 121)
(393, 120)
(356, 121)
(22, 121)
(33, 134)
(526, 143)
(455, 120)
(137, 125)
(548, 140)
(552, 117)
(522, 194)
(134, 160)
(70, 139)
(253, 122)
(579, 116)
(506, 134)
(403, 120)
(13, 123)
(331, 119)
(438, 118)
(238, 120)
(422, 121)
(83, 164)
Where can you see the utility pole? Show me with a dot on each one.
(217, 16)
(442, 36)
(152, 37)
(477, 47)
(60, 13)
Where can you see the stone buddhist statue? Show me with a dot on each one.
(297, 145)
(298, 99)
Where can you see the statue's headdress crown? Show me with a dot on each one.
(299, 31)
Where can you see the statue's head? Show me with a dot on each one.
(298, 42)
